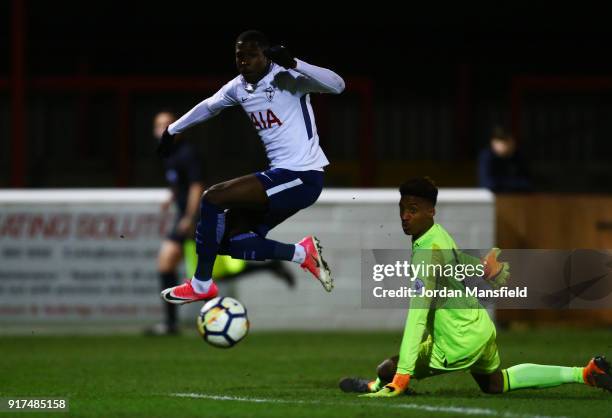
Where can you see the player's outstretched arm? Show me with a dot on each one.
(322, 79)
(414, 330)
(413, 334)
(206, 109)
(316, 79)
(199, 113)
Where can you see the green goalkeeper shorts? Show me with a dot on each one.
(431, 360)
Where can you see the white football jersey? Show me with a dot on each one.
(279, 109)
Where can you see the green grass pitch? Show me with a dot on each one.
(279, 375)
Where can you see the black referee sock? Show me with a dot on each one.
(169, 280)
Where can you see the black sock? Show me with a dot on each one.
(169, 280)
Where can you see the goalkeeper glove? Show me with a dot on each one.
(398, 386)
(495, 273)
(165, 144)
(281, 56)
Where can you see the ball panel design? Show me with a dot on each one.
(218, 340)
(238, 328)
(216, 319)
(233, 306)
(210, 304)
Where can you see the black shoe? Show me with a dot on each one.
(354, 385)
(597, 373)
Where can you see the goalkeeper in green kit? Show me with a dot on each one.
(443, 335)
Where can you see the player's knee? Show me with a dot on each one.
(386, 370)
(491, 384)
(213, 195)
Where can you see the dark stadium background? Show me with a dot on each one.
(439, 78)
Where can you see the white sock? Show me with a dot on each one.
(200, 286)
(299, 255)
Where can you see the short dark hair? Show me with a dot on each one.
(423, 187)
(254, 36)
(501, 133)
(168, 111)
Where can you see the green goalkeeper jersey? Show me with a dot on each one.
(459, 326)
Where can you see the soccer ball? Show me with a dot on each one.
(223, 322)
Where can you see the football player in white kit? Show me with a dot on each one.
(273, 88)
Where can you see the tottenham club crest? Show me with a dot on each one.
(270, 93)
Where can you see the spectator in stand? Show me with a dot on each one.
(501, 167)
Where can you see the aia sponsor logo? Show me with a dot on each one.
(264, 119)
